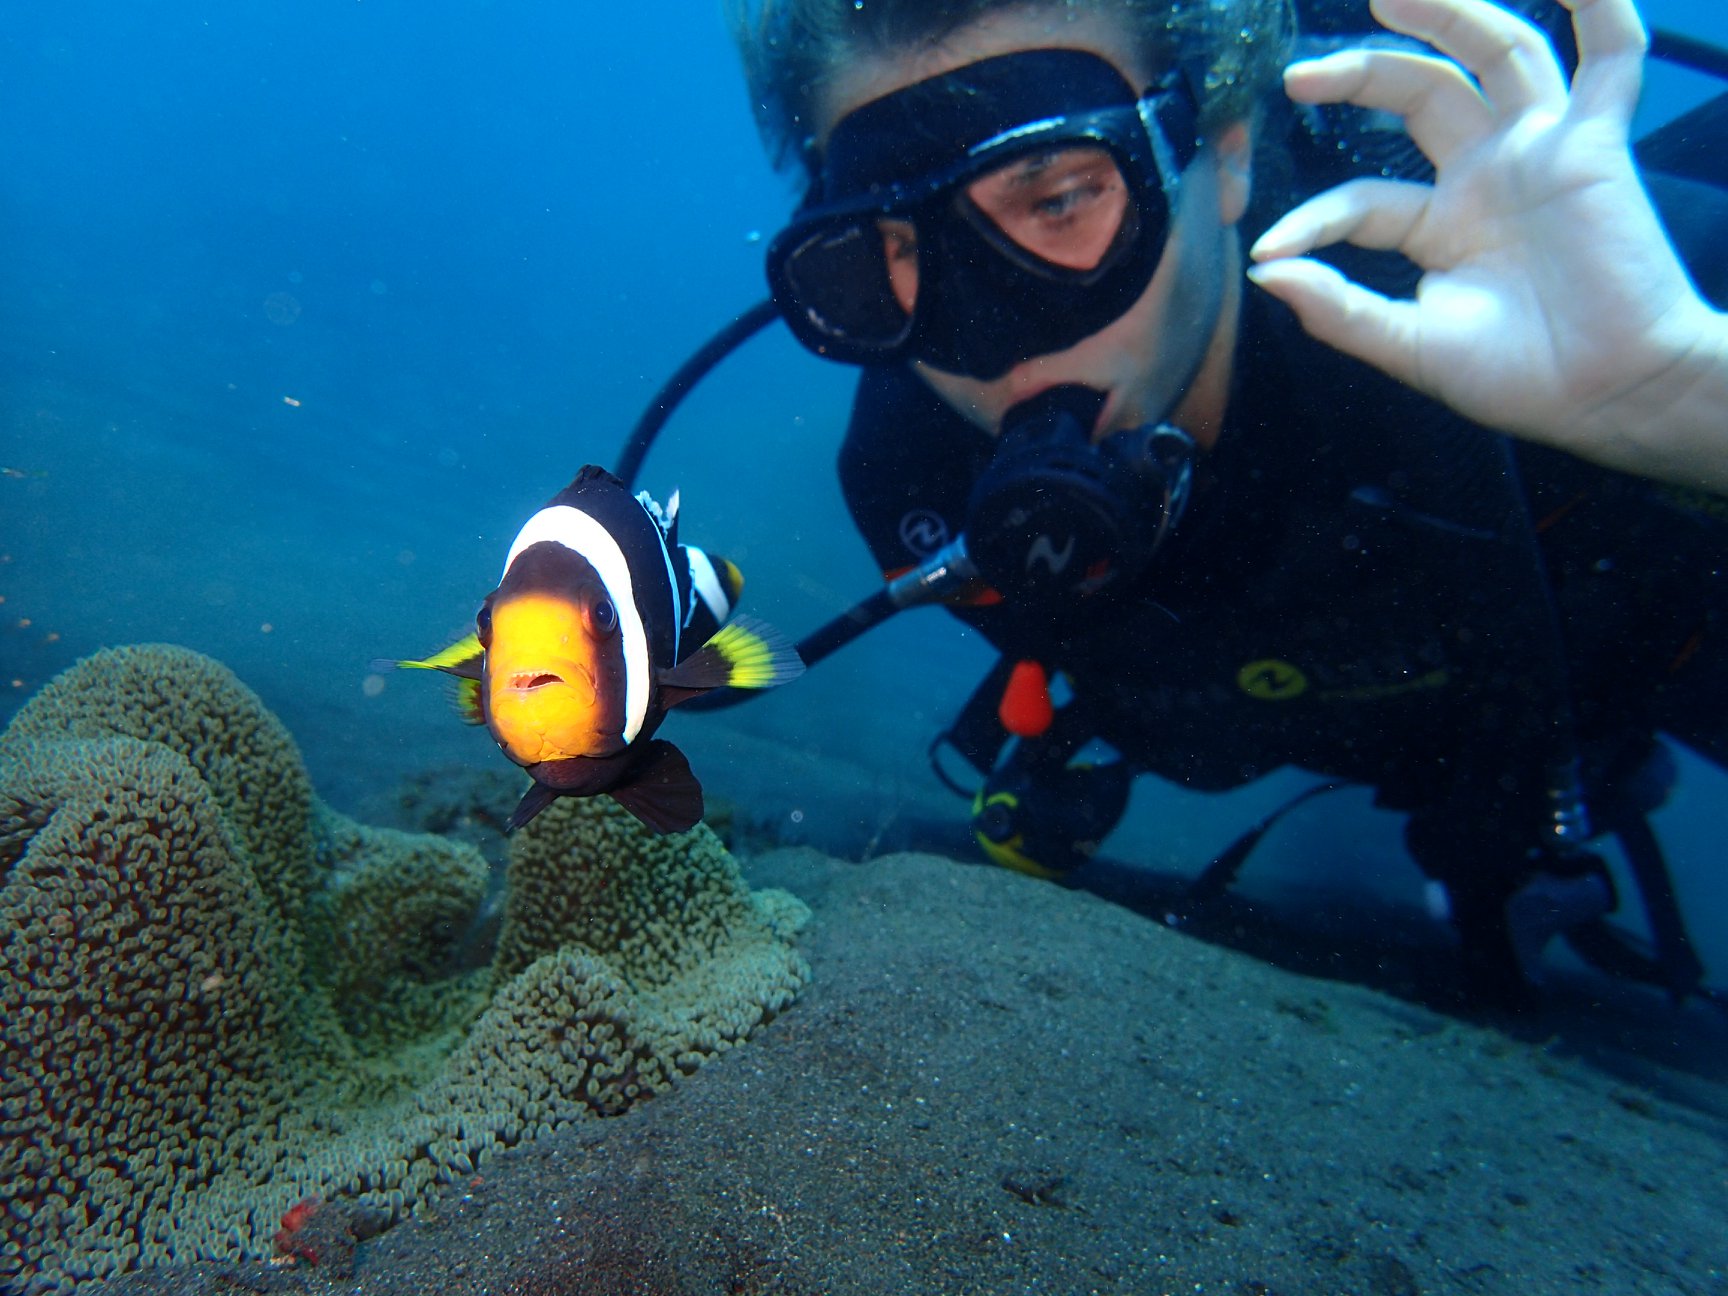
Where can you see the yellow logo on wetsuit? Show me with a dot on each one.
(1271, 680)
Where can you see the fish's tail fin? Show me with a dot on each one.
(744, 653)
(758, 655)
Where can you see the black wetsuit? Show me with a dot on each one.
(1368, 587)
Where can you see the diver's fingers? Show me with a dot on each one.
(1510, 57)
(1343, 314)
(1441, 107)
(1369, 213)
(1611, 46)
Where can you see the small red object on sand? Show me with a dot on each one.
(294, 1219)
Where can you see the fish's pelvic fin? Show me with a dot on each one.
(663, 793)
(536, 799)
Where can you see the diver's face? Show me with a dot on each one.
(1167, 345)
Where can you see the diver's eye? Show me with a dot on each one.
(483, 624)
(605, 616)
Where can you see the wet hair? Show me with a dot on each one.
(791, 48)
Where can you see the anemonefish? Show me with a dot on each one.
(601, 622)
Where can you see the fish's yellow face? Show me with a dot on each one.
(551, 688)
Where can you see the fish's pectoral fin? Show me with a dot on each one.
(533, 801)
(463, 659)
(744, 653)
(662, 793)
(671, 696)
(468, 704)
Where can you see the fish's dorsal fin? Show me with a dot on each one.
(592, 472)
(664, 518)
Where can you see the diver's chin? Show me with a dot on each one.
(986, 402)
(1040, 379)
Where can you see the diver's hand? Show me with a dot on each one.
(1552, 305)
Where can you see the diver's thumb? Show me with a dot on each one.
(1343, 314)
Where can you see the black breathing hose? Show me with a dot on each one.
(678, 386)
(1689, 52)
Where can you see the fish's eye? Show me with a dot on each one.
(483, 624)
(605, 616)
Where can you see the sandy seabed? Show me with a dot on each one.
(993, 1085)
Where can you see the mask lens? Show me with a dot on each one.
(1059, 211)
(842, 279)
(900, 256)
(1067, 208)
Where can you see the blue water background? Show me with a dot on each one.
(304, 308)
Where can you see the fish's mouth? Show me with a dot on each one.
(527, 681)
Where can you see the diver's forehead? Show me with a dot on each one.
(1006, 31)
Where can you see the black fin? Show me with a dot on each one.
(663, 794)
(594, 472)
(536, 799)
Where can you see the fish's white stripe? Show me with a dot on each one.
(662, 525)
(577, 531)
(706, 582)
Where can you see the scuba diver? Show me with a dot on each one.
(1192, 397)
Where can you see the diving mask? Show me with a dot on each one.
(1036, 214)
